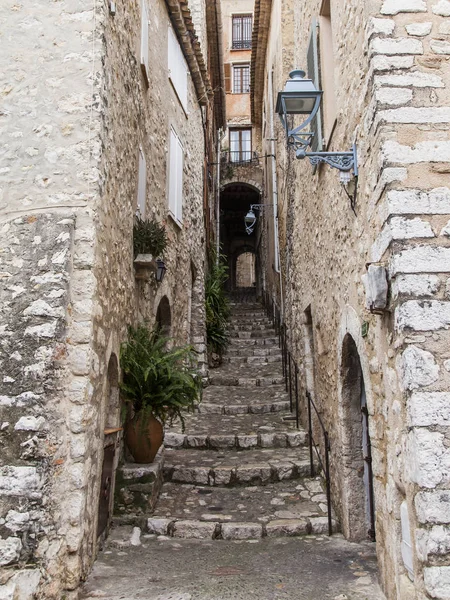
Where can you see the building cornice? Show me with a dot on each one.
(181, 18)
(216, 64)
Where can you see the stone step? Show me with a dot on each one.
(251, 327)
(252, 360)
(253, 351)
(238, 400)
(233, 467)
(237, 320)
(252, 334)
(284, 509)
(246, 381)
(244, 374)
(237, 343)
(242, 431)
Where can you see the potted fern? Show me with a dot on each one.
(159, 384)
(149, 243)
(217, 309)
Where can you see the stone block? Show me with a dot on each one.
(417, 285)
(423, 315)
(222, 475)
(428, 461)
(394, 7)
(434, 541)
(418, 368)
(158, 525)
(222, 441)
(241, 531)
(10, 550)
(174, 440)
(197, 530)
(380, 26)
(387, 63)
(29, 424)
(247, 441)
(396, 46)
(426, 409)
(433, 506)
(429, 151)
(410, 114)
(419, 29)
(437, 582)
(394, 96)
(440, 47)
(441, 8)
(287, 527)
(421, 259)
(319, 525)
(20, 481)
(414, 79)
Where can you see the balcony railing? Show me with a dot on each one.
(241, 45)
(240, 158)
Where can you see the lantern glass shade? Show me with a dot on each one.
(299, 97)
(299, 105)
(250, 218)
(160, 270)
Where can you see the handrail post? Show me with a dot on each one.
(310, 435)
(327, 477)
(290, 381)
(296, 396)
(287, 357)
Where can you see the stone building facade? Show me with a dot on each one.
(104, 105)
(380, 378)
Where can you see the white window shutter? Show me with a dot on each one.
(175, 175)
(142, 184)
(177, 69)
(144, 39)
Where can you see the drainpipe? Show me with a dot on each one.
(275, 192)
(219, 145)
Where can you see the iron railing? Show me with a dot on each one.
(241, 44)
(239, 158)
(291, 375)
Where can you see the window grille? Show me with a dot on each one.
(242, 32)
(241, 79)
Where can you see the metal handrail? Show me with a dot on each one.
(290, 369)
(313, 446)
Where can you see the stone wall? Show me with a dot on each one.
(68, 188)
(391, 60)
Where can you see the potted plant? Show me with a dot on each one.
(158, 385)
(149, 243)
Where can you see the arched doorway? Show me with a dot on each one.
(357, 454)
(164, 317)
(235, 201)
(245, 270)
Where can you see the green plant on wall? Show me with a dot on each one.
(158, 380)
(149, 237)
(217, 305)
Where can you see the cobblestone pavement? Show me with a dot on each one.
(309, 568)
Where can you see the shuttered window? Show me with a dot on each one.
(241, 79)
(175, 177)
(240, 145)
(144, 40)
(227, 67)
(314, 74)
(178, 69)
(142, 185)
(242, 32)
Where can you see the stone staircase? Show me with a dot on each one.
(240, 470)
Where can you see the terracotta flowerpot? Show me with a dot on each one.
(144, 435)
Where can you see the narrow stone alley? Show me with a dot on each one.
(238, 475)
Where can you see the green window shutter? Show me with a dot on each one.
(314, 74)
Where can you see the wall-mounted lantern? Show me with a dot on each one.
(300, 97)
(160, 270)
(250, 218)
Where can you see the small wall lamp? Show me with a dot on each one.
(160, 270)
(250, 218)
(300, 97)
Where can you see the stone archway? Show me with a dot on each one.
(164, 317)
(359, 522)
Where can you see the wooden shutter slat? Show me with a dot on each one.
(314, 74)
(227, 78)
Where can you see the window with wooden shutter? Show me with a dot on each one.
(227, 67)
(142, 185)
(178, 69)
(144, 40)
(175, 177)
(314, 74)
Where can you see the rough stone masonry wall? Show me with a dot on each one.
(71, 130)
(50, 83)
(410, 53)
(391, 60)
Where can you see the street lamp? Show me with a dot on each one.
(160, 270)
(250, 218)
(300, 97)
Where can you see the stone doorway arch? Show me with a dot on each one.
(164, 317)
(356, 447)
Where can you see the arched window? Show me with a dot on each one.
(164, 317)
